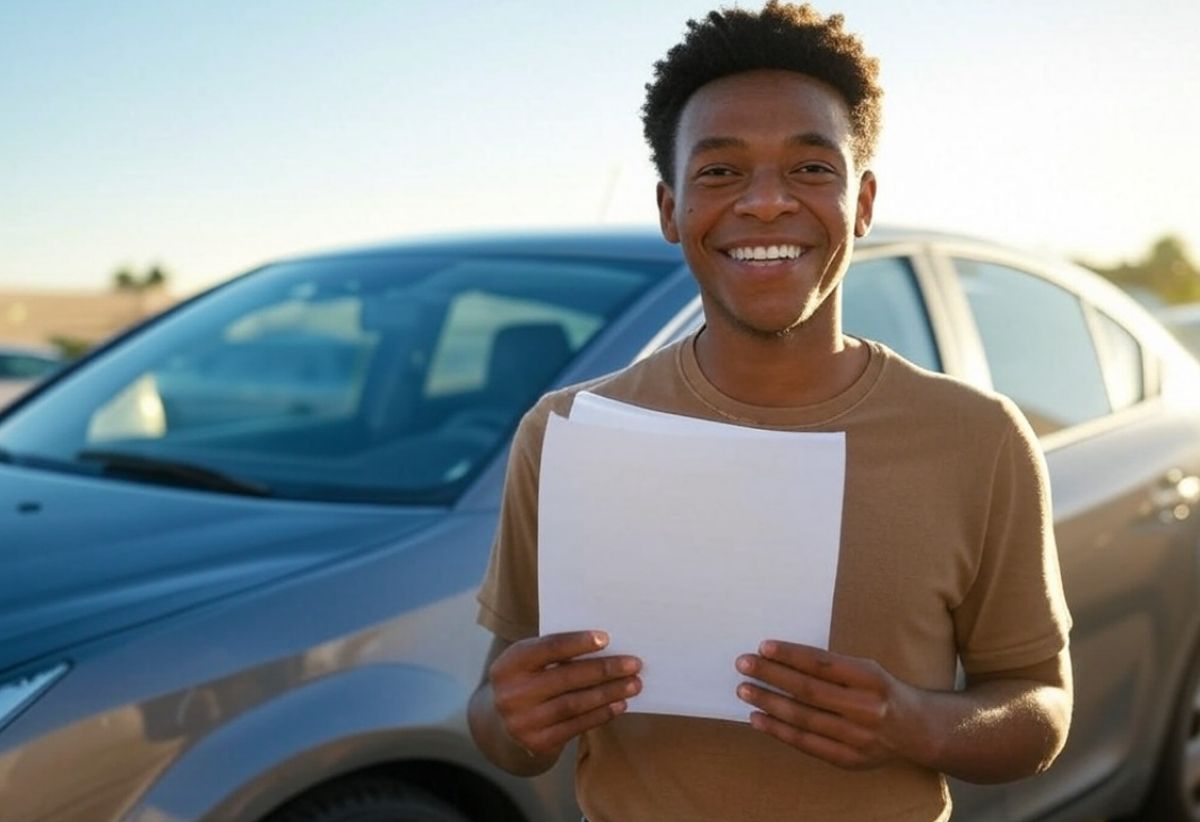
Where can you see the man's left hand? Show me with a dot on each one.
(845, 710)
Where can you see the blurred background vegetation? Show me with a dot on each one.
(155, 277)
(1166, 275)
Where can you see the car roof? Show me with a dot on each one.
(622, 242)
(632, 243)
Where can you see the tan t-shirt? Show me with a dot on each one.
(947, 550)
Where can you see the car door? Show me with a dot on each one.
(1127, 543)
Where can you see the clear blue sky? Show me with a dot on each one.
(210, 136)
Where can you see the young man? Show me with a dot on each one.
(761, 126)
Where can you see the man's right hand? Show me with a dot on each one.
(542, 695)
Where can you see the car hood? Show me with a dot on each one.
(83, 557)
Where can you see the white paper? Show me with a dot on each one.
(688, 549)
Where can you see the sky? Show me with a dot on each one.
(210, 136)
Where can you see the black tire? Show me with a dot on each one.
(1175, 794)
(368, 799)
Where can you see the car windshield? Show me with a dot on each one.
(369, 378)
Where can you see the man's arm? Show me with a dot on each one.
(536, 696)
(852, 713)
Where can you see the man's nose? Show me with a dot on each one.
(766, 198)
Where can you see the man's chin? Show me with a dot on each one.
(766, 323)
(768, 331)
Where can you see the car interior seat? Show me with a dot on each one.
(523, 360)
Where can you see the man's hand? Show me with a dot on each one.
(541, 695)
(844, 710)
(854, 714)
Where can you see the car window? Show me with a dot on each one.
(25, 367)
(297, 358)
(1038, 344)
(881, 301)
(475, 319)
(1121, 355)
(372, 378)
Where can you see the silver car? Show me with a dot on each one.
(241, 544)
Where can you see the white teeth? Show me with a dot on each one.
(760, 252)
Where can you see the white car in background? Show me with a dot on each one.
(22, 367)
(1184, 323)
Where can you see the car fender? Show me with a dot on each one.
(335, 725)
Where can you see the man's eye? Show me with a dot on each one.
(814, 168)
(714, 171)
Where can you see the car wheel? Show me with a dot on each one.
(1175, 795)
(368, 799)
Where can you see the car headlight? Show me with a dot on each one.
(17, 694)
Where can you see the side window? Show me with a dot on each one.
(881, 301)
(1122, 358)
(1038, 345)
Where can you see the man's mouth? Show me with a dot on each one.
(765, 253)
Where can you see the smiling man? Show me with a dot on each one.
(762, 126)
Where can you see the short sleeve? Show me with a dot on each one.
(1014, 613)
(508, 599)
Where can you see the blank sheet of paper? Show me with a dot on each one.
(689, 541)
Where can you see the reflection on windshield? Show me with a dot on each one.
(362, 378)
(136, 412)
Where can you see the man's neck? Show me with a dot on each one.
(805, 367)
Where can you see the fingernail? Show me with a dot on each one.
(600, 639)
(744, 664)
(767, 648)
(743, 691)
(619, 707)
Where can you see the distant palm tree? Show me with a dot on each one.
(126, 280)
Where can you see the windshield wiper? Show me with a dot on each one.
(117, 463)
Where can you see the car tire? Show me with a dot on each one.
(368, 799)
(1175, 794)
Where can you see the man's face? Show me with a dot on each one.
(764, 168)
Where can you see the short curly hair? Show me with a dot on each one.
(781, 36)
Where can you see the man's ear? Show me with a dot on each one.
(666, 213)
(865, 211)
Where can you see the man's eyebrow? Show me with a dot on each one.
(816, 139)
(808, 138)
(716, 144)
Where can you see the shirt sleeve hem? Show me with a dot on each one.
(502, 626)
(1021, 656)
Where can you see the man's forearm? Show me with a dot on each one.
(994, 731)
(500, 748)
